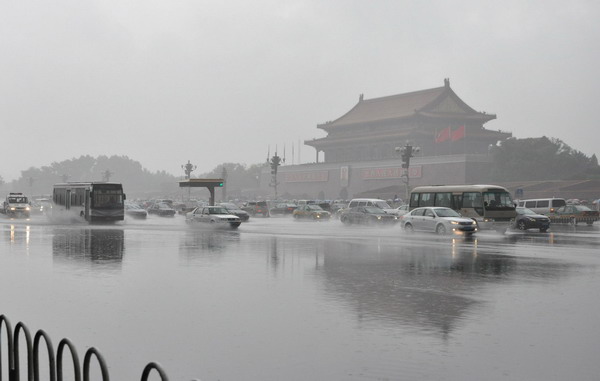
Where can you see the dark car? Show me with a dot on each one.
(283, 208)
(528, 219)
(236, 211)
(161, 209)
(255, 208)
(367, 215)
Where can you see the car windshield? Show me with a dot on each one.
(582, 208)
(229, 205)
(17, 199)
(217, 211)
(313, 207)
(382, 204)
(525, 211)
(443, 212)
(372, 209)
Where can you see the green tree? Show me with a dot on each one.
(539, 159)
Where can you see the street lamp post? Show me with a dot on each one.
(106, 175)
(275, 163)
(406, 152)
(188, 169)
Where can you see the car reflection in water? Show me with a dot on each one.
(95, 245)
(420, 286)
(206, 244)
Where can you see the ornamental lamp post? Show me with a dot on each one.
(274, 164)
(406, 152)
(188, 169)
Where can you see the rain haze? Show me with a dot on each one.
(214, 82)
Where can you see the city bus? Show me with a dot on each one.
(490, 205)
(88, 201)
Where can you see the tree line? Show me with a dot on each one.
(513, 160)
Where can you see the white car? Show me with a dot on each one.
(213, 215)
(438, 219)
(402, 210)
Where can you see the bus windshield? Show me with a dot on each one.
(495, 200)
(107, 199)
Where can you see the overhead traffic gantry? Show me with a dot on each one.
(211, 184)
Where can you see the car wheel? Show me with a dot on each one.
(345, 220)
(521, 225)
(440, 229)
(409, 228)
(234, 225)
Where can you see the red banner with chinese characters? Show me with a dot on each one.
(390, 173)
(305, 177)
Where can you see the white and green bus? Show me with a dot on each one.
(490, 205)
(88, 201)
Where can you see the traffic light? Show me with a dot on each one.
(275, 162)
(221, 184)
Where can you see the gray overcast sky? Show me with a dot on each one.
(164, 82)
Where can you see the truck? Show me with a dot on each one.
(16, 205)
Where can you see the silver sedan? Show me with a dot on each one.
(439, 220)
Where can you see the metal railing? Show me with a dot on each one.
(55, 363)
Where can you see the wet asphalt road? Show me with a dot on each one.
(284, 300)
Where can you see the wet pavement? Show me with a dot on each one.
(284, 300)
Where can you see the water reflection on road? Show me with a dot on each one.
(284, 300)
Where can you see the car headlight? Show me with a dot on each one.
(530, 219)
(378, 217)
(454, 222)
(27, 208)
(12, 208)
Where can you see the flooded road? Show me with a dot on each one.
(284, 300)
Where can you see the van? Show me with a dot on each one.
(382, 204)
(543, 205)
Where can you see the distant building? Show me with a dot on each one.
(436, 120)
(359, 153)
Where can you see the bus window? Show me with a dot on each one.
(414, 200)
(530, 204)
(457, 199)
(426, 199)
(498, 199)
(471, 200)
(443, 199)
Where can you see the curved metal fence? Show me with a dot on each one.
(55, 362)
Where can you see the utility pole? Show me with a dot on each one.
(406, 152)
(275, 163)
